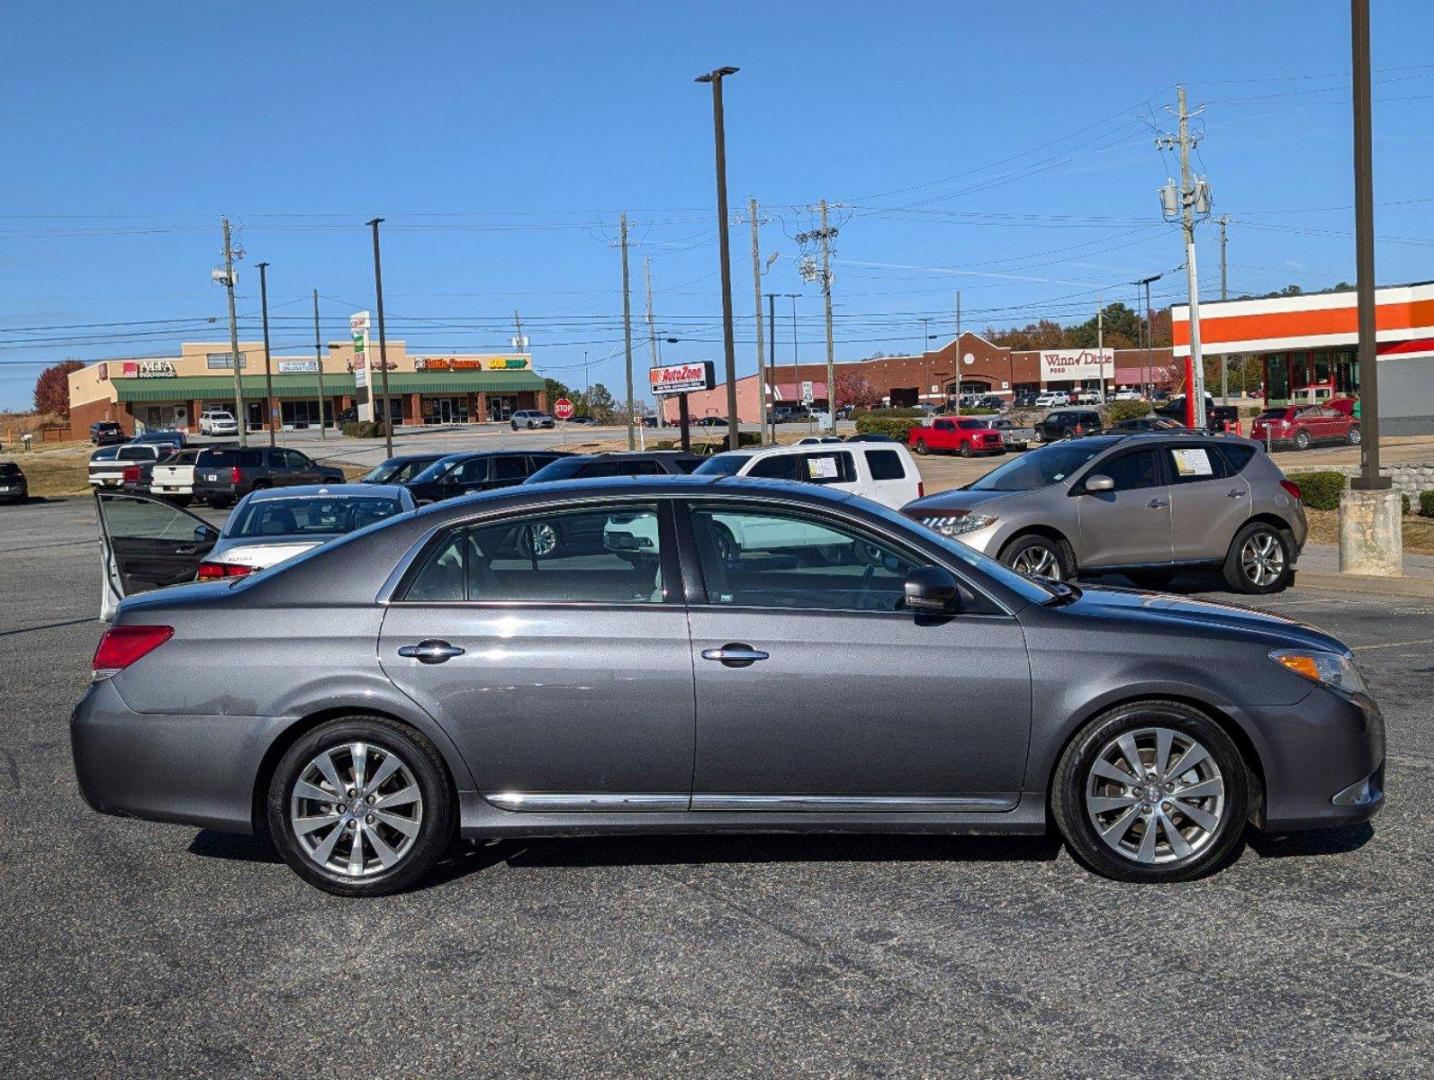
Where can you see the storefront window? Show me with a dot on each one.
(1277, 378)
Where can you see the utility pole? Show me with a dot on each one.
(319, 360)
(757, 287)
(1223, 220)
(1192, 198)
(234, 337)
(651, 326)
(520, 343)
(719, 134)
(627, 333)
(823, 235)
(1145, 327)
(958, 314)
(1100, 341)
(796, 367)
(268, 373)
(925, 335)
(1367, 357)
(772, 353)
(382, 341)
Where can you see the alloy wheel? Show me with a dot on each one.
(540, 540)
(356, 809)
(1262, 559)
(1037, 561)
(1155, 796)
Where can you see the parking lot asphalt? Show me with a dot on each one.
(138, 949)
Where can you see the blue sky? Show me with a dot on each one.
(1005, 150)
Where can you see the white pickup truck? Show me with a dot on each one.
(174, 479)
(108, 463)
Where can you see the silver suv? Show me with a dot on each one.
(1147, 505)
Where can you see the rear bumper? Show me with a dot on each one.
(1314, 753)
(194, 770)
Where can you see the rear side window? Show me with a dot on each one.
(687, 464)
(833, 468)
(1236, 456)
(509, 468)
(1192, 464)
(885, 465)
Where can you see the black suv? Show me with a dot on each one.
(13, 485)
(222, 477)
(463, 474)
(106, 433)
(642, 463)
(1068, 424)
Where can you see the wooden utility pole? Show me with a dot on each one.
(761, 345)
(627, 334)
(319, 359)
(826, 237)
(268, 365)
(1223, 220)
(234, 356)
(382, 342)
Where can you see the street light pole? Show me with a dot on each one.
(382, 342)
(268, 372)
(319, 361)
(1369, 478)
(719, 133)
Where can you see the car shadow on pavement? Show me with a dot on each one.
(234, 847)
(1339, 841)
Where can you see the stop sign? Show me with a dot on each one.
(563, 409)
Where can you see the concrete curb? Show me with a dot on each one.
(1364, 583)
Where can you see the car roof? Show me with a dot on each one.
(631, 455)
(328, 491)
(796, 448)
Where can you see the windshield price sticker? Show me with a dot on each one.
(1193, 462)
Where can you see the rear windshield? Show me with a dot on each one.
(1273, 414)
(228, 458)
(311, 516)
(722, 465)
(1040, 468)
(9, 470)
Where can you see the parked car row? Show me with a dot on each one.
(218, 475)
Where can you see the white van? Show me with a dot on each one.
(884, 472)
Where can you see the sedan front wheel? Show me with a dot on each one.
(1151, 792)
(361, 806)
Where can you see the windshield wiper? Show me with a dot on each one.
(1064, 594)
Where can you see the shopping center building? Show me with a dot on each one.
(432, 388)
(1307, 347)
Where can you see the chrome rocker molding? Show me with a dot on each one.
(519, 800)
(605, 803)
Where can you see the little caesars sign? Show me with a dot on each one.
(1073, 365)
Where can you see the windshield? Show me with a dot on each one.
(310, 516)
(1043, 467)
(722, 465)
(437, 469)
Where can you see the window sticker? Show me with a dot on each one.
(1193, 462)
(824, 468)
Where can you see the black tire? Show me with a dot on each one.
(1074, 816)
(436, 824)
(1302, 439)
(513, 424)
(965, 449)
(1354, 435)
(1027, 549)
(1244, 578)
(921, 447)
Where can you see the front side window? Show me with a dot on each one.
(296, 460)
(436, 469)
(1038, 468)
(1133, 471)
(472, 471)
(776, 467)
(722, 465)
(605, 556)
(776, 559)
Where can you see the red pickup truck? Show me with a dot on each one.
(966, 435)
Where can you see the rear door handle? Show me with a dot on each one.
(1235, 493)
(1157, 504)
(734, 654)
(430, 652)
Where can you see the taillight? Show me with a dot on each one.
(131, 474)
(234, 476)
(1292, 488)
(210, 571)
(920, 488)
(121, 646)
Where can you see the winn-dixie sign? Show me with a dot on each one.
(681, 378)
(1059, 364)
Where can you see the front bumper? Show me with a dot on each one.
(194, 770)
(1323, 761)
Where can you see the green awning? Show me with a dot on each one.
(221, 387)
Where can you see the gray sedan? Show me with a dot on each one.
(743, 655)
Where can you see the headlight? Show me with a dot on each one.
(1330, 669)
(963, 521)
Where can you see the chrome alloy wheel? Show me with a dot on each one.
(1037, 561)
(1155, 795)
(1262, 559)
(356, 809)
(540, 540)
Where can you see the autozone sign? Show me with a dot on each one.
(681, 378)
(1059, 364)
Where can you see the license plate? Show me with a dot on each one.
(211, 476)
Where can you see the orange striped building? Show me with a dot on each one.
(1307, 345)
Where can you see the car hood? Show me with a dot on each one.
(1157, 610)
(956, 499)
(261, 551)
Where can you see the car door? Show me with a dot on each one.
(1129, 525)
(147, 543)
(565, 677)
(465, 477)
(301, 469)
(1207, 504)
(816, 688)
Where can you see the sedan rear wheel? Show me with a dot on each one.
(361, 806)
(1152, 791)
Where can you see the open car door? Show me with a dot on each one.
(146, 543)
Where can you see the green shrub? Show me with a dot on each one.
(894, 426)
(1426, 504)
(1404, 507)
(1320, 490)
(363, 429)
(1117, 411)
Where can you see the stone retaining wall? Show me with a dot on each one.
(1407, 478)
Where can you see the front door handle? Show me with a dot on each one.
(430, 652)
(1158, 504)
(1235, 493)
(734, 654)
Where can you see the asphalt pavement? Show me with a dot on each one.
(138, 949)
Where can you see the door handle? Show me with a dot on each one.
(430, 652)
(734, 654)
(1157, 504)
(1235, 493)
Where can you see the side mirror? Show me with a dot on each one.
(204, 534)
(1099, 482)
(932, 590)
